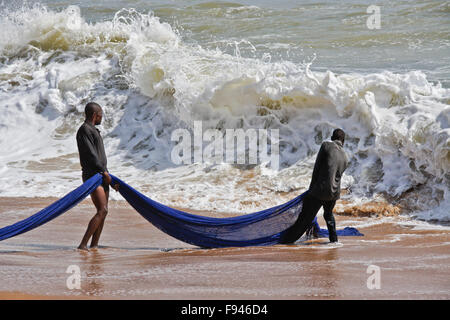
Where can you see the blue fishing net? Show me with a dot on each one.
(265, 227)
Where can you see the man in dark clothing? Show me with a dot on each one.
(324, 189)
(93, 161)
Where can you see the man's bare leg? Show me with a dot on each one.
(100, 201)
(98, 232)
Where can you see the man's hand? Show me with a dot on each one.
(109, 180)
(107, 177)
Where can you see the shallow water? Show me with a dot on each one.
(137, 261)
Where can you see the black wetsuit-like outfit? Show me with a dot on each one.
(92, 152)
(324, 190)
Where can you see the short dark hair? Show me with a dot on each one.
(338, 134)
(91, 108)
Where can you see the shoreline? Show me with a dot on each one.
(137, 261)
(371, 209)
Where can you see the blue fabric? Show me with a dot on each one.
(347, 231)
(265, 227)
(52, 211)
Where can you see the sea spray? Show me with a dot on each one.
(150, 82)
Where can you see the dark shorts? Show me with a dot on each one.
(85, 176)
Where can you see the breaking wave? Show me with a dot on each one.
(151, 82)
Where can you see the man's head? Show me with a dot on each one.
(93, 113)
(338, 134)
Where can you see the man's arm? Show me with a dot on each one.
(86, 147)
(317, 164)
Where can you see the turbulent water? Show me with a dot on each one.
(302, 67)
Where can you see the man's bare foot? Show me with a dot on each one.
(83, 247)
(93, 247)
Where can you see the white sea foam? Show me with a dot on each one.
(150, 82)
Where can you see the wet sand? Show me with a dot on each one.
(137, 261)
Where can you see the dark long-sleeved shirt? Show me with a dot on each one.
(331, 163)
(91, 149)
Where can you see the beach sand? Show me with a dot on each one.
(137, 261)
